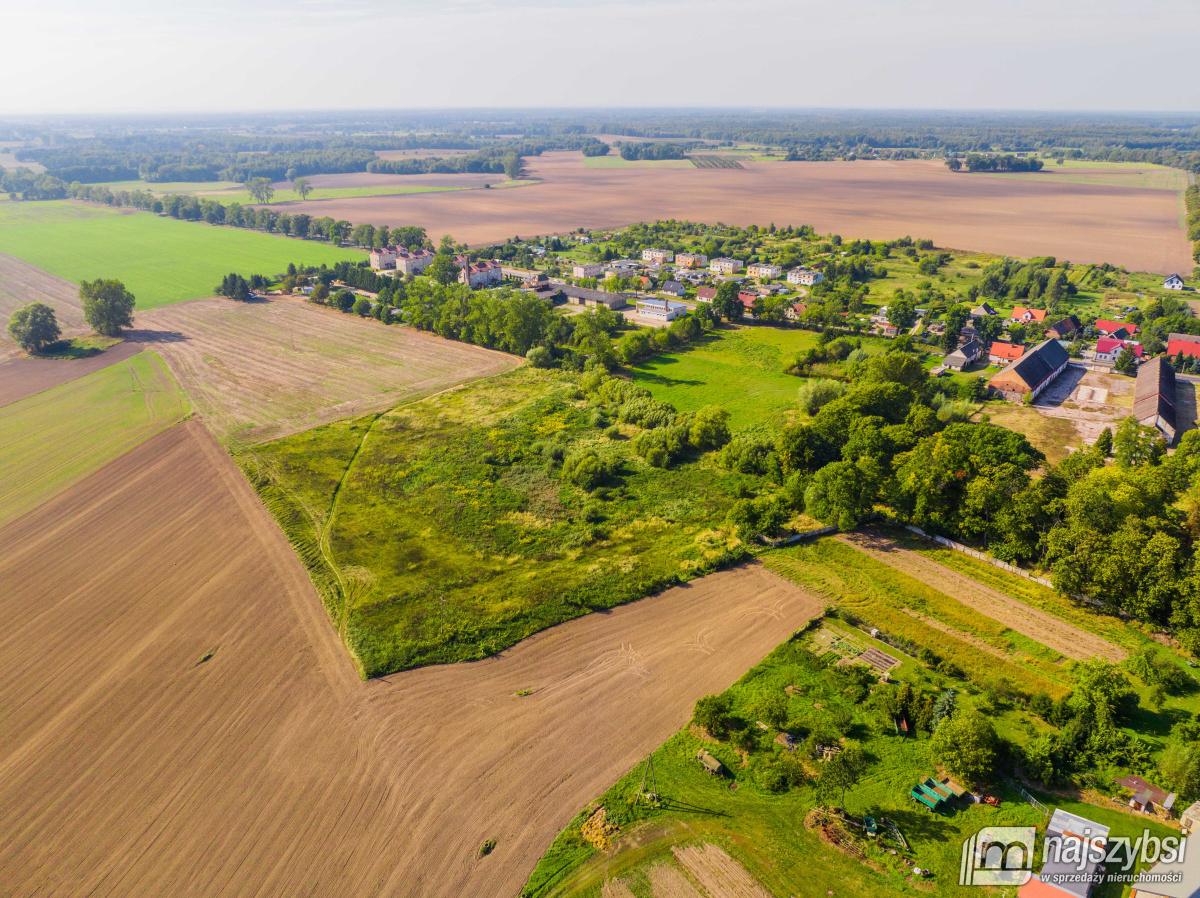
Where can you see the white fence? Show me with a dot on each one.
(967, 550)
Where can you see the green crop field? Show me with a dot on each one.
(159, 259)
(615, 161)
(444, 530)
(55, 438)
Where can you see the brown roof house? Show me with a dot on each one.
(1062, 330)
(1154, 396)
(1033, 372)
(964, 355)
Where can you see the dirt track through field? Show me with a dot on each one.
(22, 283)
(128, 767)
(260, 370)
(25, 376)
(1136, 227)
(1053, 632)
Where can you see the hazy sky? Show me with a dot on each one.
(155, 55)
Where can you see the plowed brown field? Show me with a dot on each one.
(1082, 222)
(22, 283)
(260, 370)
(128, 767)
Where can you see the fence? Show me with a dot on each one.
(807, 534)
(1004, 566)
(967, 550)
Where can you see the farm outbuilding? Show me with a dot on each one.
(1033, 372)
(1154, 397)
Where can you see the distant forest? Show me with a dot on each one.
(210, 148)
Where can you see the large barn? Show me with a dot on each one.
(1154, 396)
(1033, 372)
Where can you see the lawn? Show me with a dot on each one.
(1052, 436)
(160, 260)
(443, 531)
(1109, 174)
(767, 832)
(739, 368)
(55, 438)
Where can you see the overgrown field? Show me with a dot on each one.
(55, 438)
(159, 259)
(446, 530)
(763, 825)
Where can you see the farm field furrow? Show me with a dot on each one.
(22, 283)
(53, 439)
(160, 260)
(1051, 631)
(264, 369)
(169, 623)
(1137, 227)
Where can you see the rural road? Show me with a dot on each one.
(130, 766)
(1054, 632)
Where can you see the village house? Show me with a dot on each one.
(1119, 329)
(725, 266)
(1154, 400)
(759, 270)
(619, 273)
(537, 281)
(748, 300)
(1075, 849)
(1022, 315)
(1179, 878)
(413, 262)
(478, 274)
(1108, 350)
(660, 309)
(1146, 795)
(1173, 282)
(691, 260)
(674, 288)
(708, 294)
(586, 270)
(964, 355)
(1001, 353)
(806, 277)
(795, 312)
(1032, 372)
(657, 256)
(1065, 329)
(1186, 344)
(383, 258)
(582, 296)
(983, 310)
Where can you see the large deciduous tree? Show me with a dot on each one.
(34, 327)
(107, 306)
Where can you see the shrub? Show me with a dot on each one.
(539, 357)
(966, 745)
(712, 713)
(585, 469)
(816, 393)
(710, 428)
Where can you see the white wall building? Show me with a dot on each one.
(725, 266)
(763, 270)
(805, 276)
(660, 309)
(586, 270)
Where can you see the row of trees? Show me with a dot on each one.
(1005, 162)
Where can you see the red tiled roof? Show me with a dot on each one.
(1006, 350)
(1034, 314)
(747, 299)
(1189, 348)
(1109, 327)
(1108, 344)
(706, 293)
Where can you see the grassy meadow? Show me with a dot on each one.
(55, 438)
(441, 531)
(739, 368)
(160, 260)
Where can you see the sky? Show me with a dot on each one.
(119, 56)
